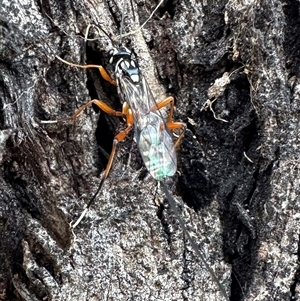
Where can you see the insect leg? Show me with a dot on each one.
(103, 72)
(102, 106)
(177, 125)
(99, 103)
(165, 102)
(119, 137)
(171, 124)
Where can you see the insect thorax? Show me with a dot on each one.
(125, 64)
(131, 83)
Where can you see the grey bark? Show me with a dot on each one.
(233, 68)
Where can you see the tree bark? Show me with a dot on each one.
(233, 68)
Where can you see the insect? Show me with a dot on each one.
(152, 132)
(141, 111)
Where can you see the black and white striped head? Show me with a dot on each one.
(125, 63)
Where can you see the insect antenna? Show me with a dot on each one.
(122, 24)
(193, 244)
(143, 25)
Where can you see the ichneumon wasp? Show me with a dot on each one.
(140, 110)
(152, 131)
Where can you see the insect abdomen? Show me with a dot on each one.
(157, 150)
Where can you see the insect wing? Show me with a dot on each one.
(156, 146)
(152, 135)
(137, 95)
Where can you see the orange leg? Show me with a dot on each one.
(164, 103)
(102, 106)
(171, 124)
(177, 125)
(103, 72)
(118, 138)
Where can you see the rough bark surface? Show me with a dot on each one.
(233, 67)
